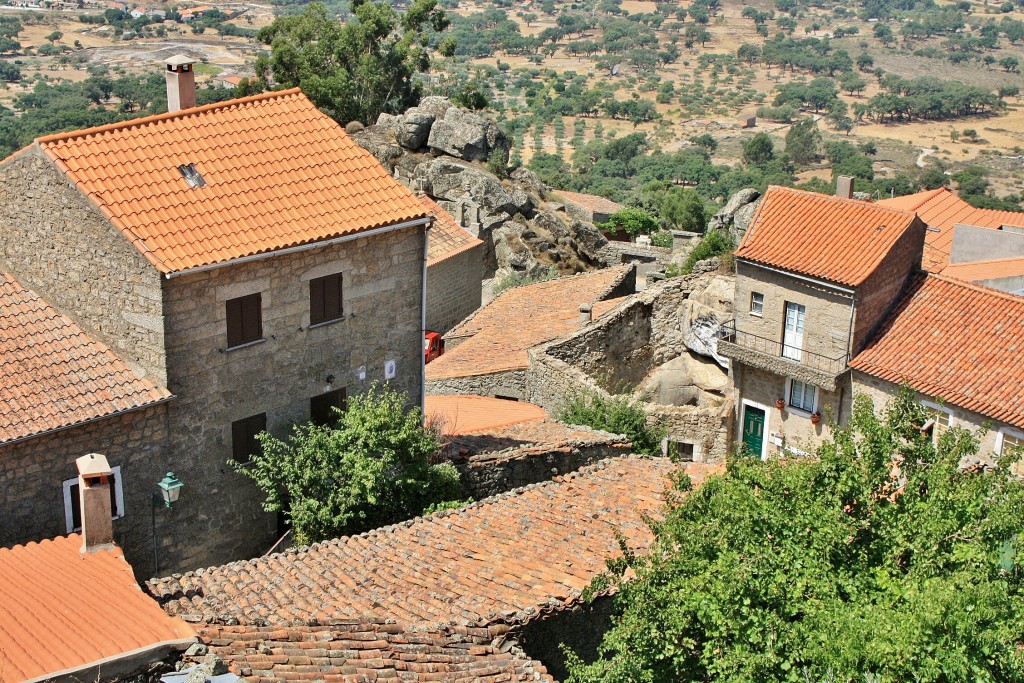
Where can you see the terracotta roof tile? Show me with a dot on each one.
(978, 271)
(446, 238)
(503, 560)
(941, 210)
(591, 201)
(61, 610)
(52, 375)
(518, 318)
(468, 414)
(956, 341)
(369, 650)
(278, 172)
(836, 239)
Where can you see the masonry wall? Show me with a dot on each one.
(510, 384)
(56, 242)
(454, 289)
(879, 293)
(791, 426)
(33, 472)
(828, 317)
(382, 289)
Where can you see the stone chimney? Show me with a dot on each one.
(586, 313)
(181, 83)
(844, 187)
(94, 481)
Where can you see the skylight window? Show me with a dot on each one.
(193, 177)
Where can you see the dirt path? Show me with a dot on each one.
(925, 153)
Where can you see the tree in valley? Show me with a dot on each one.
(803, 141)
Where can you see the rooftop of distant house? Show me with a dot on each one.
(499, 560)
(446, 238)
(53, 375)
(941, 210)
(982, 271)
(63, 611)
(465, 414)
(500, 333)
(593, 202)
(956, 341)
(836, 239)
(211, 184)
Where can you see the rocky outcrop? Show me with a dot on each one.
(468, 136)
(734, 218)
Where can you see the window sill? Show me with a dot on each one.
(327, 323)
(245, 345)
(799, 411)
(757, 315)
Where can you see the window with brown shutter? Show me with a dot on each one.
(243, 436)
(325, 299)
(321, 408)
(245, 320)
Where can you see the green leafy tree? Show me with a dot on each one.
(879, 560)
(803, 141)
(54, 37)
(633, 221)
(615, 414)
(369, 469)
(759, 150)
(357, 70)
(683, 208)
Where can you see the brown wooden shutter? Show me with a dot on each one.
(317, 312)
(332, 296)
(243, 436)
(234, 309)
(321, 407)
(252, 317)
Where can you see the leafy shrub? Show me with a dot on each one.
(369, 469)
(516, 279)
(662, 239)
(713, 244)
(615, 414)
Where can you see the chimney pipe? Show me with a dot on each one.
(586, 314)
(94, 480)
(844, 187)
(181, 83)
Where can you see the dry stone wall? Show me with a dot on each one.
(511, 384)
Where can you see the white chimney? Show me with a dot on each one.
(181, 83)
(94, 481)
(844, 187)
(586, 313)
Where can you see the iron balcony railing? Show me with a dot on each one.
(774, 347)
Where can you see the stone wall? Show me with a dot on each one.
(56, 242)
(382, 279)
(880, 292)
(510, 384)
(454, 288)
(489, 474)
(33, 472)
(579, 628)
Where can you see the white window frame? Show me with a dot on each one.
(789, 394)
(1006, 431)
(931, 405)
(668, 440)
(68, 503)
(759, 311)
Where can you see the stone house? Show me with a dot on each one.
(815, 277)
(487, 352)
(591, 208)
(455, 270)
(248, 258)
(956, 344)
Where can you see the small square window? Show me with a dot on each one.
(321, 408)
(1010, 443)
(802, 395)
(243, 437)
(73, 507)
(244, 320)
(325, 302)
(939, 420)
(756, 303)
(680, 451)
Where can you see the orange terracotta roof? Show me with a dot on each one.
(468, 414)
(521, 317)
(446, 238)
(956, 341)
(502, 560)
(823, 236)
(278, 172)
(62, 611)
(941, 210)
(52, 375)
(978, 271)
(368, 650)
(591, 201)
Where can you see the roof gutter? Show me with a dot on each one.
(303, 247)
(814, 281)
(36, 435)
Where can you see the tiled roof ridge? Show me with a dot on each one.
(926, 197)
(422, 519)
(982, 289)
(454, 332)
(181, 113)
(838, 200)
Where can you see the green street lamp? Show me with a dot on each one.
(170, 489)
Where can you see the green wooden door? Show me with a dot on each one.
(753, 430)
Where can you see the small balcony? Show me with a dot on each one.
(770, 355)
